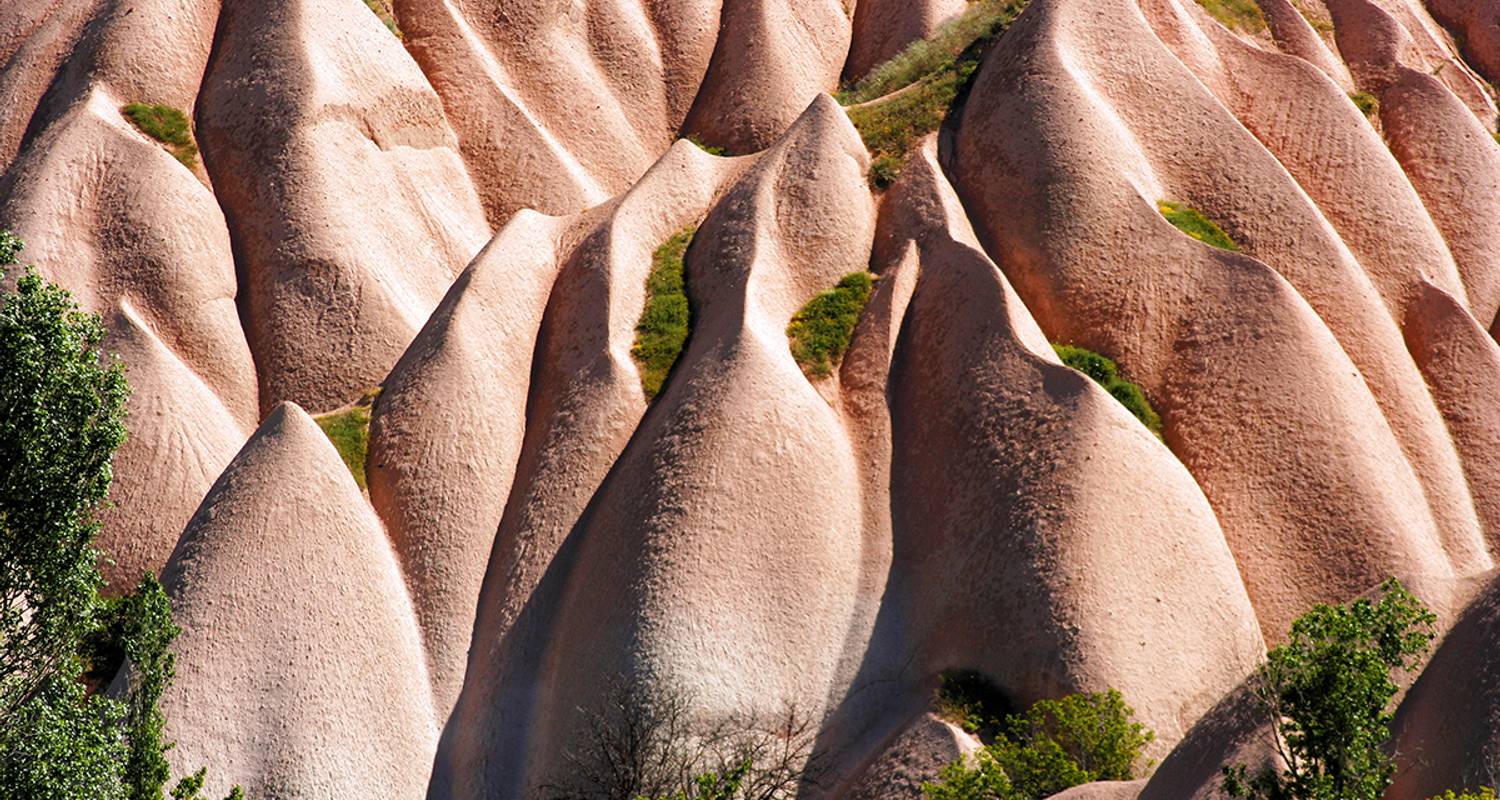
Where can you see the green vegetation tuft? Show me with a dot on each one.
(1055, 745)
(1366, 103)
(1191, 222)
(349, 430)
(921, 86)
(168, 126)
(1482, 793)
(713, 150)
(1107, 374)
(820, 332)
(667, 317)
(1497, 137)
(1242, 16)
(387, 14)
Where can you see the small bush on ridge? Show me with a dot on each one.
(938, 52)
(1107, 374)
(1055, 745)
(713, 150)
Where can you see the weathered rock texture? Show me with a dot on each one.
(883, 28)
(300, 669)
(347, 202)
(917, 753)
(466, 215)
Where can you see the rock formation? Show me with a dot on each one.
(465, 207)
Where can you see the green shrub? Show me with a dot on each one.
(1366, 103)
(717, 785)
(387, 14)
(1237, 15)
(1107, 374)
(820, 332)
(166, 125)
(884, 169)
(1055, 745)
(1191, 222)
(971, 701)
(1482, 793)
(10, 248)
(349, 431)
(931, 76)
(712, 150)
(979, 777)
(189, 788)
(667, 317)
(1327, 692)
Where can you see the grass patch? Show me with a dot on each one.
(167, 125)
(1318, 20)
(349, 430)
(1106, 373)
(667, 318)
(891, 128)
(929, 76)
(1366, 103)
(820, 332)
(1496, 134)
(1191, 222)
(934, 54)
(713, 150)
(387, 14)
(1237, 15)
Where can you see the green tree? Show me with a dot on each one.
(1055, 745)
(1328, 692)
(62, 408)
(147, 619)
(62, 743)
(61, 419)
